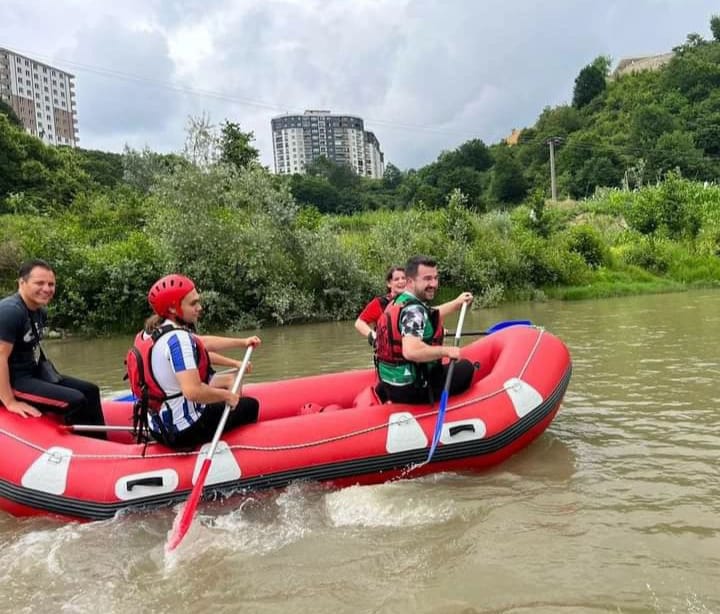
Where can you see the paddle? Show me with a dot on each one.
(184, 519)
(446, 389)
(92, 428)
(493, 329)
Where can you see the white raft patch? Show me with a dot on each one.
(224, 467)
(524, 397)
(49, 472)
(404, 433)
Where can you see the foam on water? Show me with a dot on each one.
(39, 548)
(256, 527)
(394, 504)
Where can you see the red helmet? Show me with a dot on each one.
(168, 292)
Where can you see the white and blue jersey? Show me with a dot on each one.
(173, 353)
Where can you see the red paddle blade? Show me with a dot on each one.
(186, 514)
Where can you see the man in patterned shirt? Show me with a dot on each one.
(410, 346)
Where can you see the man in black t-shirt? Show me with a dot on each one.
(23, 390)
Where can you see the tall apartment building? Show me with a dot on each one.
(42, 96)
(300, 139)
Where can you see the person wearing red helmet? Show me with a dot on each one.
(169, 369)
(29, 385)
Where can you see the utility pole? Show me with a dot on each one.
(552, 141)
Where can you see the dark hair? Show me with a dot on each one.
(412, 266)
(391, 271)
(27, 267)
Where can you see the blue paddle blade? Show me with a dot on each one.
(439, 423)
(506, 324)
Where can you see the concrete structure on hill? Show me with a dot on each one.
(627, 66)
(298, 140)
(42, 96)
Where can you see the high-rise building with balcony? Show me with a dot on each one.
(42, 96)
(298, 140)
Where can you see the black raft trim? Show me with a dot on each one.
(82, 509)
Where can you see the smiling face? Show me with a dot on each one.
(396, 284)
(37, 288)
(425, 283)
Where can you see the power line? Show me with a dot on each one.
(628, 150)
(107, 72)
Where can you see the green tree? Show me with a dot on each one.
(339, 175)
(677, 150)
(588, 84)
(603, 64)
(36, 178)
(473, 154)
(715, 27)
(316, 191)
(104, 168)
(466, 179)
(141, 169)
(235, 146)
(9, 112)
(508, 183)
(392, 177)
(648, 123)
(707, 134)
(694, 71)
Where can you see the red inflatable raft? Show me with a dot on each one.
(329, 428)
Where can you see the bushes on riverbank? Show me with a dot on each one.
(259, 259)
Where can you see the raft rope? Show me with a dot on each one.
(296, 446)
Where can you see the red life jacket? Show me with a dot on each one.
(388, 341)
(384, 300)
(143, 384)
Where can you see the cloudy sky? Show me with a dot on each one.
(425, 75)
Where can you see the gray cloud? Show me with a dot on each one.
(109, 102)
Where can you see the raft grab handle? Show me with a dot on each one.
(150, 481)
(459, 428)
